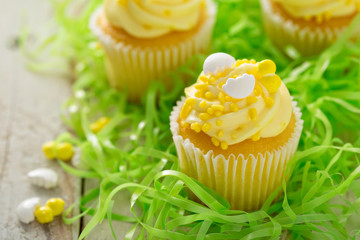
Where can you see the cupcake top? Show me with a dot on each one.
(319, 9)
(153, 18)
(236, 100)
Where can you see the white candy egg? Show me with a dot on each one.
(43, 177)
(241, 87)
(25, 210)
(218, 62)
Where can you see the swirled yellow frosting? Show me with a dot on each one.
(153, 18)
(320, 9)
(264, 113)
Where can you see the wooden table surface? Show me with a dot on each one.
(29, 116)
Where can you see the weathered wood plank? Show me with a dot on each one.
(29, 116)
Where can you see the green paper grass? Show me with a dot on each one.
(135, 152)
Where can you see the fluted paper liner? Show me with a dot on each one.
(285, 31)
(132, 68)
(245, 183)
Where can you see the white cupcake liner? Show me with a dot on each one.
(132, 67)
(245, 183)
(285, 31)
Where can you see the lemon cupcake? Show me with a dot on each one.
(144, 39)
(308, 25)
(236, 129)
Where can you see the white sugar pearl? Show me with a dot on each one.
(241, 87)
(43, 177)
(25, 210)
(217, 62)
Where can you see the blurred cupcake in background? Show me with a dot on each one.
(237, 129)
(309, 25)
(144, 39)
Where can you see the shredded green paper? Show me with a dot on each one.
(135, 153)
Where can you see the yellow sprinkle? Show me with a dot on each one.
(204, 79)
(203, 104)
(221, 84)
(220, 133)
(218, 114)
(218, 107)
(253, 61)
(258, 90)
(196, 127)
(190, 101)
(256, 137)
(199, 94)
(210, 111)
(201, 86)
(266, 67)
(212, 79)
(184, 124)
(219, 123)
(228, 98)
(48, 150)
(186, 109)
(215, 141)
(209, 95)
(206, 127)
(44, 214)
(64, 151)
(235, 76)
(234, 107)
(221, 97)
(224, 146)
(56, 204)
(251, 99)
(221, 74)
(204, 116)
(253, 114)
(271, 82)
(241, 62)
(269, 101)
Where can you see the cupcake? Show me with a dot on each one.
(310, 26)
(144, 39)
(236, 129)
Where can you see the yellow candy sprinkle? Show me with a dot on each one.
(253, 114)
(212, 79)
(64, 151)
(241, 62)
(56, 204)
(256, 137)
(221, 84)
(219, 123)
(253, 61)
(269, 101)
(202, 86)
(258, 90)
(99, 124)
(196, 127)
(210, 111)
(220, 133)
(221, 97)
(271, 82)
(204, 79)
(186, 109)
(206, 127)
(209, 95)
(218, 107)
(250, 100)
(215, 141)
(224, 146)
(48, 150)
(228, 99)
(218, 114)
(266, 67)
(184, 124)
(204, 116)
(199, 94)
(44, 214)
(203, 104)
(234, 107)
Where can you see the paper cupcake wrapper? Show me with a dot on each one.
(133, 68)
(245, 183)
(285, 31)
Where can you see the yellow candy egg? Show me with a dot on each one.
(44, 214)
(266, 67)
(56, 204)
(48, 149)
(271, 82)
(64, 151)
